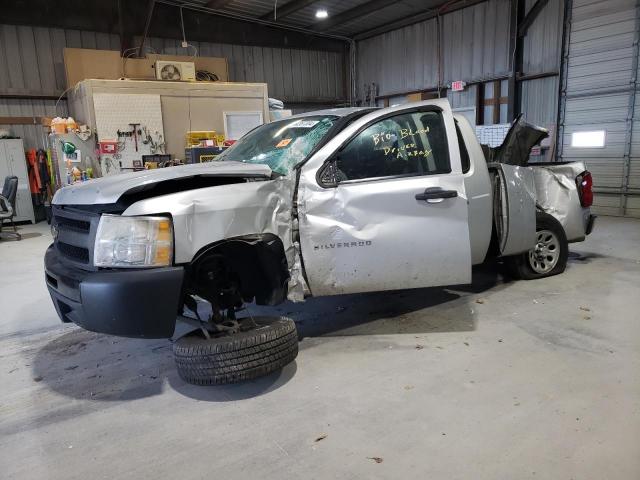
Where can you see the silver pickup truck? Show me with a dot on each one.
(325, 203)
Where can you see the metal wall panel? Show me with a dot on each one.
(601, 82)
(33, 135)
(541, 45)
(292, 75)
(31, 58)
(32, 63)
(474, 44)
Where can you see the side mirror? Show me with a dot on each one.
(329, 174)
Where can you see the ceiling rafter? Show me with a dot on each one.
(217, 4)
(417, 17)
(287, 9)
(356, 12)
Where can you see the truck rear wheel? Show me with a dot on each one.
(267, 345)
(548, 257)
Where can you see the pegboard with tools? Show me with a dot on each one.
(128, 126)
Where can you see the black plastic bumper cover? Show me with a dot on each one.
(590, 224)
(128, 303)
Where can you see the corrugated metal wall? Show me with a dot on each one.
(474, 43)
(541, 54)
(31, 59)
(292, 75)
(601, 84)
(31, 63)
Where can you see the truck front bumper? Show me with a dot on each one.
(128, 303)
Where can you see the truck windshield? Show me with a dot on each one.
(281, 145)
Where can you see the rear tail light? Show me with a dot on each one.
(584, 182)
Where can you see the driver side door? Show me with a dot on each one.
(387, 208)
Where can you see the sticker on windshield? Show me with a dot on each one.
(283, 143)
(305, 123)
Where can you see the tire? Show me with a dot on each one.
(235, 358)
(548, 257)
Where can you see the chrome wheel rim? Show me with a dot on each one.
(544, 256)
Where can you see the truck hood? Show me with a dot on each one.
(108, 190)
(517, 144)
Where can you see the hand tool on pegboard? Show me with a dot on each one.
(135, 133)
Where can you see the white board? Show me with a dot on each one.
(236, 124)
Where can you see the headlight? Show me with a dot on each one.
(133, 242)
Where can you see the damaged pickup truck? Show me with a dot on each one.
(325, 203)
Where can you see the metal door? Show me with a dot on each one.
(389, 232)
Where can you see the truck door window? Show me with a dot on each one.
(408, 144)
(464, 153)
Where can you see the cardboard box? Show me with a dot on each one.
(82, 64)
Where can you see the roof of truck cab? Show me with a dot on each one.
(339, 112)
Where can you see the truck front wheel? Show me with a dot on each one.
(263, 345)
(549, 255)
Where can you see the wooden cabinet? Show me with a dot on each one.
(13, 162)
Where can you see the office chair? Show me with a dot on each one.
(8, 207)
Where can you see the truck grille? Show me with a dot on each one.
(78, 225)
(76, 232)
(79, 254)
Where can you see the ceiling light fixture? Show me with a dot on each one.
(322, 13)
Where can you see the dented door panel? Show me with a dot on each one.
(374, 234)
(514, 208)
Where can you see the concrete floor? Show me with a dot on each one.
(496, 381)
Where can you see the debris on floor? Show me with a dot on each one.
(321, 437)
(419, 347)
(376, 459)
(480, 301)
(585, 309)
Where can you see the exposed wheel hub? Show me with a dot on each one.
(544, 256)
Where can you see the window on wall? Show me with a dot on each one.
(491, 102)
(591, 139)
(409, 144)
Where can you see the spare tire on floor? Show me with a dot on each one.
(267, 346)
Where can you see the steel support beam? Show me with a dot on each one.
(287, 9)
(415, 18)
(530, 17)
(516, 15)
(215, 4)
(127, 18)
(126, 36)
(147, 24)
(562, 84)
(631, 113)
(348, 15)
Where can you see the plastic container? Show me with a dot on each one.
(59, 125)
(71, 124)
(193, 138)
